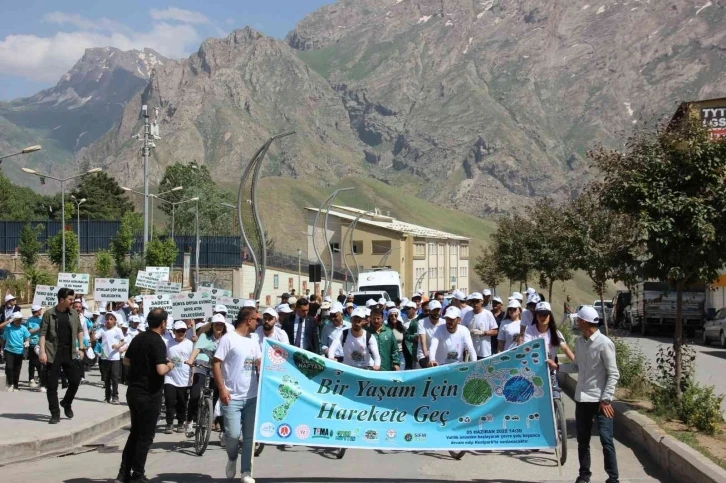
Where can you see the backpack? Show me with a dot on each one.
(368, 339)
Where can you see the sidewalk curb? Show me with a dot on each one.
(22, 450)
(681, 462)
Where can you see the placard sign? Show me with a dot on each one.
(146, 280)
(218, 292)
(111, 289)
(77, 281)
(206, 285)
(46, 295)
(160, 301)
(168, 287)
(160, 273)
(234, 305)
(192, 305)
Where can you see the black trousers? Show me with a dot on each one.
(176, 403)
(33, 364)
(62, 360)
(407, 357)
(144, 409)
(195, 395)
(584, 414)
(13, 366)
(111, 373)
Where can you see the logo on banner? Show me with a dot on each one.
(346, 435)
(371, 435)
(391, 435)
(302, 431)
(284, 431)
(310, 366)
(277, 355)
(322, 433)
(267, 429)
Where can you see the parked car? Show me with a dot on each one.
(608, 308)
(715, 329)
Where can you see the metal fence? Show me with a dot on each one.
(94, 236)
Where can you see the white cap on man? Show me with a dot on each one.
(588, 314)
(530, 291)
(410, 305)
(486, 292)
(371, 303)
(138, 299)
(390, 304)
(497, 300)
(434, 304)
(459, 295)
(475, 296)
(359, 312)
(336, 308)
(284, 309)
(249, 303)
(179, 325)
(271, 312)
(9, 297)
(533, 299)
(17, 315)
(517, 296)
(452, 312)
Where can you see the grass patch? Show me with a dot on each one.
(712, 447)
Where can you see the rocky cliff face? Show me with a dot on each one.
(495, 101)
(218, 106)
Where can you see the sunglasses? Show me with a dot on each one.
(181, 331)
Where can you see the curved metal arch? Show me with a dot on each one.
(252, 174)
(420, 279)
(349, 235)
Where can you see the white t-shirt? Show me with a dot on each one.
(485, 322)
(278, 335)
(425, 327)
(508, 332)
(355, 352)
(527, 317)
(238, 355)
(111, 337)
(178, 353)
(532, 333)
(465, 311)
(448, 348)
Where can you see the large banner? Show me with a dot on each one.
(77, 281)
(500, 403)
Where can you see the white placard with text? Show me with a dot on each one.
(111, 289)
(77, 281)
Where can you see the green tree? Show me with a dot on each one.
(487, 268)
(29, 246)
(104, 264)
(603, 242)
(55, 250)
(548, 244)
(121, 244)
(509, 240)
(20, 204)
(672, 183)
(105, 200)
(161, 252)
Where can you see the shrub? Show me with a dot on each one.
(701, 408)
(55, 250)
(566, 330)
(37, 276)
(634, 368)
(104, 264)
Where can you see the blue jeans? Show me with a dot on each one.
(239, 417)
(584, 415)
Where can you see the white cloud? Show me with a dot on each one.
(46, 59)
(180, 15)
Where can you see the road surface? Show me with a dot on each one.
(173, 460)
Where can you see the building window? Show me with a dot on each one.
(432, 249)
(335, 247)
(452, 271)
(380, 247)
(453, 249)
(419, 249)
(441, 272)
(358, 247)
(462, 272)
(433, 273)
(441, 248)
(464, 251)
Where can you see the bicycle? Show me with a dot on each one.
(560, 419)
(205, 415)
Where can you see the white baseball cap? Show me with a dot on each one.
(17, 315)
(517, 296)
(390, 304)
(514, 304)
(530, 291)
(543, 307)
(533, 299)
(452, 312)
(359, 312)
(410, 305)
(475, 296)
(497, 299)
(416, 295)
(371, 303)
(9, 297)
(249, 303)
(138, 299)
(198, 325)
(35, 308)
(434, 304)
(96, 312)
(178, 325)
(271, 312)
(394, 310)
(459, 295)
(325, 306)
(220, 308)
(381, 301)
(337, 308)
(486, 292)
(588, 314)
(218, 318)
(87, 314)
(123, 325)
(367, 312)
(328, 299)
(404, 300)
(284, 308)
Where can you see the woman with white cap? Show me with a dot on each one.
(17, 339)
(543, 327)
(509, 328)
(9, 308)
(395, 323)
(33, 325)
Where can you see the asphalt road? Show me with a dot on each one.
(710, 360)
(173, 460)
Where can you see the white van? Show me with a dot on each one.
(381, 280)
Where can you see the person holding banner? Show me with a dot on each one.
(426, 329)
(543, 327)
(235, 361)
(385, 341)
(269, 329)
(509, 329)
(60, 330)
(450, 341)
(481, 324)
(360, 348)
(332, 331)
(176, 382)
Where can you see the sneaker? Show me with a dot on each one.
(9, 388)
(581, 479)
(32, 384)
(43, 389)
(122, 477)
(189, 429)
(114, 401)
(139, 479)
(169, 429)
(67, 410)
(179, 428)
(54, 419)
(231, 469)
(247, 478)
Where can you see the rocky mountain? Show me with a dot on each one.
(218, 106)
(491, 102)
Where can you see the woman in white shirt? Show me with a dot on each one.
(178, 380)
(509, 328)
(543, 327)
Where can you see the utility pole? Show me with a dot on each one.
(151, 133)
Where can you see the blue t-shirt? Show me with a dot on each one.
(14, 336)
(34, 323)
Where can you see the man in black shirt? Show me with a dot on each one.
(147, 363)
(59, 330)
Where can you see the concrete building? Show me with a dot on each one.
(426, 259)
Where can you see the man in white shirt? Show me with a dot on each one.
(178, 380)
(110, 363)
(459, 300)
(597, 377)
(237, 359)
(426, 329)
(481, 324)
(450, 340)
(332, 331)
(358, 345)
(269, 329)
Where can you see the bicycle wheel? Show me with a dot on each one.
(258, 448)
(204, 426)
(561, 422)
(340, 453)
(457, 455)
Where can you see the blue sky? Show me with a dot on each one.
(41, 40)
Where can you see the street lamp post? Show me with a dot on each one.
(327, 202)
(158, 197)
(196, 269)
(299, 270)
(29, 149)
(173, 207)
(78, 223)
(63, 203)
